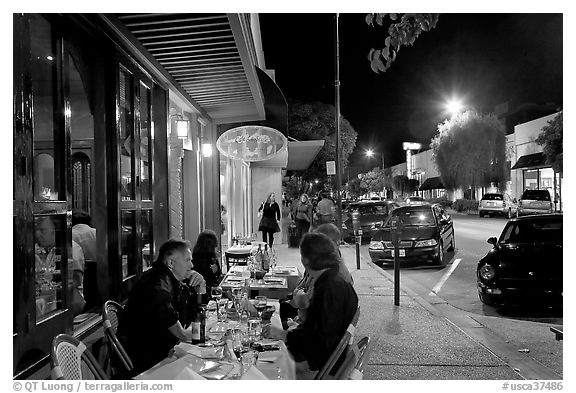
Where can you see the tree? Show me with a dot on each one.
(295, 186)
(375, 180)
(356, 188)
(401, 33)
(402, 184)
(552, 140)
(316, 120)
(469, 151)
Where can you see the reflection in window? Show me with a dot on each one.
(81, 182)
(147, 240)
(127, 242)
(49, 243)
(145, 143)
(43, 78)
(44, 186)
(126, 128)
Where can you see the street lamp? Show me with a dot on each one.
(454, 106)
(370, 153)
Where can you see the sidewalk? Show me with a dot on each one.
(412, 341)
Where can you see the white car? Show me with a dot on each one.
(535, 202)
(497, 204)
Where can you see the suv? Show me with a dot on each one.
(493, 203)
(535, 202)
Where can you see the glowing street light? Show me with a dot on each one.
(454, 106)
(369, 153)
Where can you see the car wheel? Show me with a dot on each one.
(452, 243)
(486, 299)
(480, 214)
(509, 214)
(439, 260)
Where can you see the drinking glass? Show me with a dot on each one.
(260, 303)
(217, 295)
(255, 328)
(248, 359)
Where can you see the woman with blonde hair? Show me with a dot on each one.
(270, 212)
(302, 215)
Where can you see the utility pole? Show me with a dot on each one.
(338, 147)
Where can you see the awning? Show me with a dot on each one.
(432, 183)
(530, 161)
(207, 56)
(302, 153)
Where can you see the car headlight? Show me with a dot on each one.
(388, 245)
(426, 243)
(487, 272)
(376, 245)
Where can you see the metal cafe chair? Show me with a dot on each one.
(356, 357)
(345, 342)
(71, 360)
(236, 259)
(110, 315)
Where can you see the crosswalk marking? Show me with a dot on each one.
(438, 286)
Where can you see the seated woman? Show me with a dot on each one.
(205, 260)
(332, 306)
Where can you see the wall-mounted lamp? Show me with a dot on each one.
(182, 126)
(206, 150)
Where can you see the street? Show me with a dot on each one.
(523, 328)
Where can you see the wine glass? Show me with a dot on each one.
(217, 295)
(260, 303)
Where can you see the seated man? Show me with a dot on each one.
(332, 307)
(151, 323)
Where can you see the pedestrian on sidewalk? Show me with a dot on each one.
(302, 215)
(270, 212)
(325, 210)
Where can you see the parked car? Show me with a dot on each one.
(497, 204)
(535, 202)
(415, 199)
(372, 215)
(525, 265)
(427, 231)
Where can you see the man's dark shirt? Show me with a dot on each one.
(156, 302)
(331, 310)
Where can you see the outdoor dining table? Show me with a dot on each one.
(276, 364)
(275, 284)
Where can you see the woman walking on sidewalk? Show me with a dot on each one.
(270, 212)
(302, 215)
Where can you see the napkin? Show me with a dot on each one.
(268, 356)
(184, 349)
(178, 370)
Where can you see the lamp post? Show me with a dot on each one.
(370, 153)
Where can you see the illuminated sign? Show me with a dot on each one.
(251, 143)
(411, 146)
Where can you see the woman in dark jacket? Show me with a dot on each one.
(270, 217)
(205, 260)
(333, 303)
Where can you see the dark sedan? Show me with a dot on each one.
(426, 233)
(372, 215)
(525, 265)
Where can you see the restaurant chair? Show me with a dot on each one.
(356, 358)
(110, 315)
(343, 344)
(236, 259)
(70, 359)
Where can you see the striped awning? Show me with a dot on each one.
(207, 55)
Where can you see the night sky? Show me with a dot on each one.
(484, 59)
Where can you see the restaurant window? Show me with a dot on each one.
(135, 140)
(539, 179)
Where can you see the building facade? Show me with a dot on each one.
(116, 115)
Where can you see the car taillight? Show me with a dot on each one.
(487, 272)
